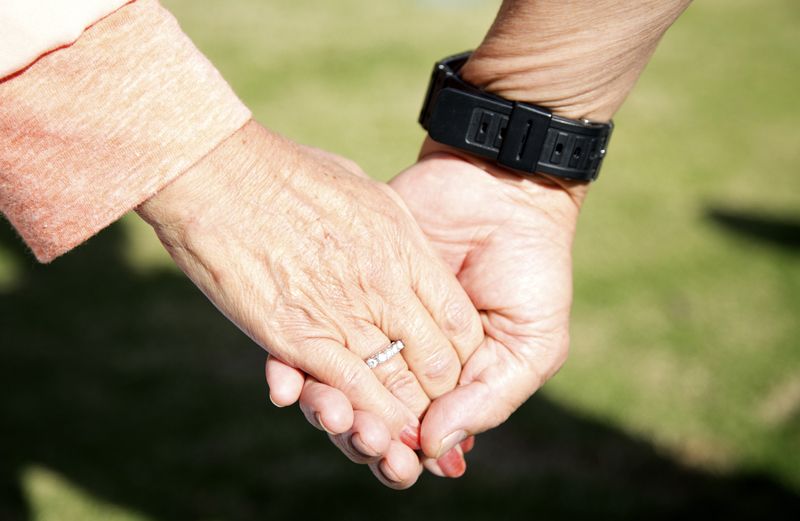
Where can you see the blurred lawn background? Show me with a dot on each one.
(127, 397)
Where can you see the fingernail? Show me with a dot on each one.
(468, 444)
(388, 472)
(452, 463)
(450, 441)
(273, 402)
(410, 436)
(319, 421)
(361, 447)
(435, 469)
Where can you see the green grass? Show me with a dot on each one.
(126, 395)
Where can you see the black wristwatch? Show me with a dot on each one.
(521, 136)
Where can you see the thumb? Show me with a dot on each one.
(285, 382)
(471, 409)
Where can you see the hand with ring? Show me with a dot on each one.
(324, 268)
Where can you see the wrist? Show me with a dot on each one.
(220, 179)
(579, 62)
(556, 195)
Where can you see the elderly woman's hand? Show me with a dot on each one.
(322, 267)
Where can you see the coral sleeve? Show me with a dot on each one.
(89, 131)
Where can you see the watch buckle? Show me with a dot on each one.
(523, 139)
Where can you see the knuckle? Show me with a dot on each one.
(400, 381)
(403, 384)
(462, 322)
(442, 369)
(350, 379)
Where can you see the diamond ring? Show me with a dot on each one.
(379, 358)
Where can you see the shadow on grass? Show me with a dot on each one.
(135, 389)
(783, 231)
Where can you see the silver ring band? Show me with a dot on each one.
(385, 355)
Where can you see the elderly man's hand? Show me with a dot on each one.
(508, 239)
(321, 266)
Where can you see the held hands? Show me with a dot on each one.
(321, 266)
(508, 240)
(324, 267)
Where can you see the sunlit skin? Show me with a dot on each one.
(508, 238)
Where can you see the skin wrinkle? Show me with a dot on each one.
(523, 368)
(400, 383)
(547, 342)
(271, 271)
(346, 378)
(354, 291)
(362, 286)
(456, 318)
(463, 260)
(543, 69)
(364, 340)
(381, 320)
(512, 309)
(298, 322)
(453, 318)
(332, 320)
(287, 285)
(438, 369)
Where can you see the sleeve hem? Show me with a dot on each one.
(90, 131)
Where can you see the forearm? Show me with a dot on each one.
(224, 176)
(579, 58)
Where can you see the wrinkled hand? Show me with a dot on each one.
(321, 266)
(508, 239)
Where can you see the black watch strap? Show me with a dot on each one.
(521, 136)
